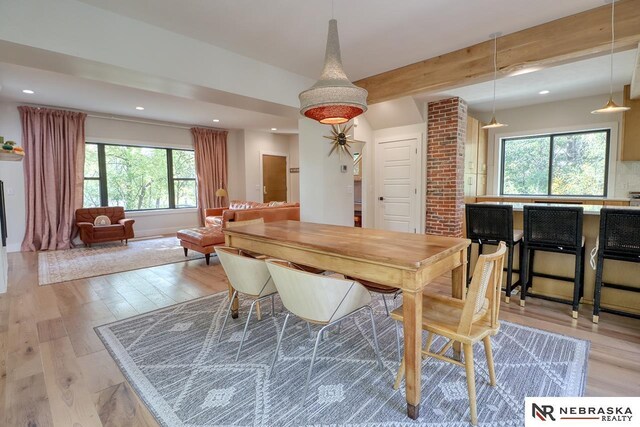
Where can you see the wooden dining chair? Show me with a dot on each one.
(248, 276)
(321, 300)
(466, 321)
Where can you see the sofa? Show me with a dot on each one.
(205, 239)
(121, 228)
(242, 210)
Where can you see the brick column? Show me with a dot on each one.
(446, 134)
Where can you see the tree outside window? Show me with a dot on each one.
(139, 178)
(567, 164)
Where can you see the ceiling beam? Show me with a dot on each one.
(586, 34)
(635, 79)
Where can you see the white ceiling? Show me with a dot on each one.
(375, 35)
(62, 90)
(574, 80)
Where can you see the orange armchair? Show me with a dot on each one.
(121, 228)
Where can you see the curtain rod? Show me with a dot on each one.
(125, 119)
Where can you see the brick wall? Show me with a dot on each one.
(446, 134)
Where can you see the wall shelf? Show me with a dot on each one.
(10, 157)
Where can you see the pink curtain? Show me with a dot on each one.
(53, 141)
(211, 167)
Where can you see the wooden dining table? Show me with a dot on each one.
(405, 261)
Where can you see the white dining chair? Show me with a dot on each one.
(320, 300)
(248, 276)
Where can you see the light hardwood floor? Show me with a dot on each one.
(54, 371)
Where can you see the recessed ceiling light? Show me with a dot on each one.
(29, 91)
(274, 128)
(140, 108)
(216, 120)
(543, 92)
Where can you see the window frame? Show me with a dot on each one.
(552, 136)
(103, 179)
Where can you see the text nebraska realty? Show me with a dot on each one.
(609, 413)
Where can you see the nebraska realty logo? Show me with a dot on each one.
(582, 411)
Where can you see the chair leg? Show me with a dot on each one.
(598, 290)
(471, 381)
(427, 344)
(399, 375)
(313, 359)
(309, 330)
(489, 353)
(398, 349)
(207, 257)
(186, 251)
(275, 356)
(469, 264)
(386, 306)
(509, 274)
(397, 326)
(246, 326)
(582, 272)
(376, 349)
(227, 315)
(577, 283)
(528, 274)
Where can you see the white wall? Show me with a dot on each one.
(567, 115)
(11, 174)
(364, 132)
(294, 162)
(256, 144)
(326, 194)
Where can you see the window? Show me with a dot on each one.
(562, 164)
(139, 178)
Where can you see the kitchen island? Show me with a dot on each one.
(624, 273)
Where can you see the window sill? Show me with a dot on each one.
(135, 214)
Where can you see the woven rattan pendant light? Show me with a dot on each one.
(333, 99)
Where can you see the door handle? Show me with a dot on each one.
(264, 189)
(380, 198)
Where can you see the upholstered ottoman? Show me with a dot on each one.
(201, 239)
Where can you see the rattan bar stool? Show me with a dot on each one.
(619, 240)
(553, 229)
(490, 225)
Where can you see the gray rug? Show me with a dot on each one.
(172, 359)
(109, 258)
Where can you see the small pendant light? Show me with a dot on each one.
(494, 123)
(610, 106)
(333, 99)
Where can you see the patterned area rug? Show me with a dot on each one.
(108, 258)
(173, 360)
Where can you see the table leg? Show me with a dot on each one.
(412, 303)
(458, 290)
(236, 303)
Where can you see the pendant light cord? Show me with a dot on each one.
(495, 70)
(613, 38)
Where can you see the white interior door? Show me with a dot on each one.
(397, 189)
